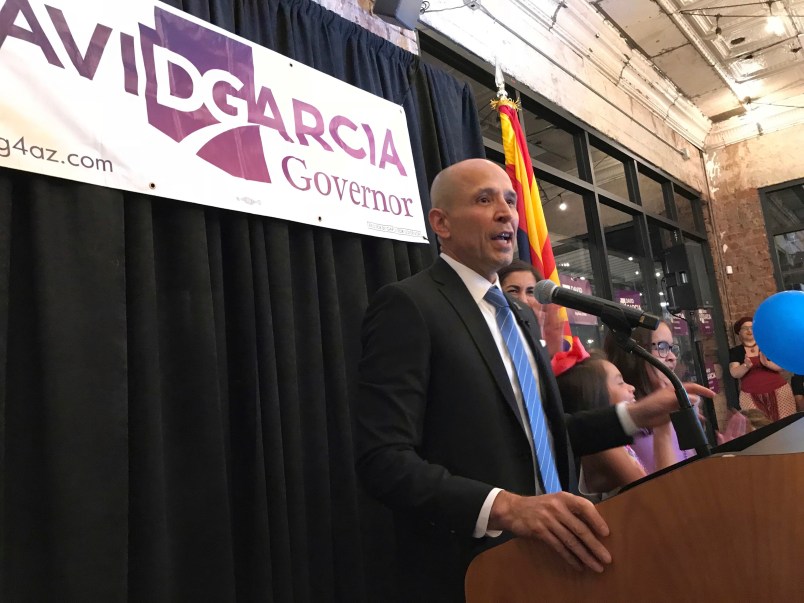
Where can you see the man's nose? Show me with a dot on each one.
(506, 212)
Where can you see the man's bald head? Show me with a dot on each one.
(447, 182)
(474, 215)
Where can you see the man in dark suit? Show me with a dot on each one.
(443, 435)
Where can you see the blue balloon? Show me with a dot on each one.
(779, 330)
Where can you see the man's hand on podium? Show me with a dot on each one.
(569, 524)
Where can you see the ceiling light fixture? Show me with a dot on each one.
(774, 25)
(562, 206)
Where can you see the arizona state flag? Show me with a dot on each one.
(533, 239)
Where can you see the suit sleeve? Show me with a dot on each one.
(394, 375)
(592, 431)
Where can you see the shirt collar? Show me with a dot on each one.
(477, 285)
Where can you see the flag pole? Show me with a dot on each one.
(533, 239)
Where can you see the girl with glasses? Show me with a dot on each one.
(646, 380)
(588, 381)
(761, 384)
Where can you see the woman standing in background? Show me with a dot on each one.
(761, 384)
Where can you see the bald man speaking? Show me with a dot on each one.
(461, 430)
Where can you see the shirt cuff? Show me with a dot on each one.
(626, 422)
(482, 525)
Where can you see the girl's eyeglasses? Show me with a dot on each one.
(663, 347)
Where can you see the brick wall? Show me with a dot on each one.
(360, 12)
(735, 223)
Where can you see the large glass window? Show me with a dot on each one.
(651, 195)
(686, 209)
(784, 223)
(549, 143)
(790, 252)
(566, 222)
(661, 240)
(784, 208)
(609, 173)
(624, 256)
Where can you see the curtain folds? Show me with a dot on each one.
(176, 380)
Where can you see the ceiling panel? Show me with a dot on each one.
(689, 71)
(717, 102)
(720, 54)
(646, 25)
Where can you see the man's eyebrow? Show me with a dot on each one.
(509, 193)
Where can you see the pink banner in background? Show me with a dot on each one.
(627, 297)
(576, 317)
(680, 326)
(711, 377)
(705, 323)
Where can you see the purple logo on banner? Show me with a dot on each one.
(627, 297)
(680, 326)
(576, 317)
(705, 323)
(194, 73)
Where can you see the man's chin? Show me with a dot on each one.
(507, 259)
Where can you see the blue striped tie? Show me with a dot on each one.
(530, 392)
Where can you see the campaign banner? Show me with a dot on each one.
(706, 325)
(712, 380)
(680, 326)
(142, 97)
(628, 297)
(576, 317)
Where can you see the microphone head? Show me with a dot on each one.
(544, 291)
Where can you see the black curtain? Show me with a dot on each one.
(176, 380)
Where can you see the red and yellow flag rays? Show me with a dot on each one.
(532, 234)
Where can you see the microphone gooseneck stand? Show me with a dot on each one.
(688, 428)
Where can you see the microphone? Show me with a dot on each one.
(547, 292)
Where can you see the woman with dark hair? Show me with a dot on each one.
(761, 384)
(519, 280)
(646, 380)
(589, 381)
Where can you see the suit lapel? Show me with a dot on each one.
(452, 287)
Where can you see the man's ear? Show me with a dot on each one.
(439, 222)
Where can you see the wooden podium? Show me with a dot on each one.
(729, 527)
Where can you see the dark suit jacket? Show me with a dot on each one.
(438, 425)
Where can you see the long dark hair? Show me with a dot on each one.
(583, 387)
(634, 370)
